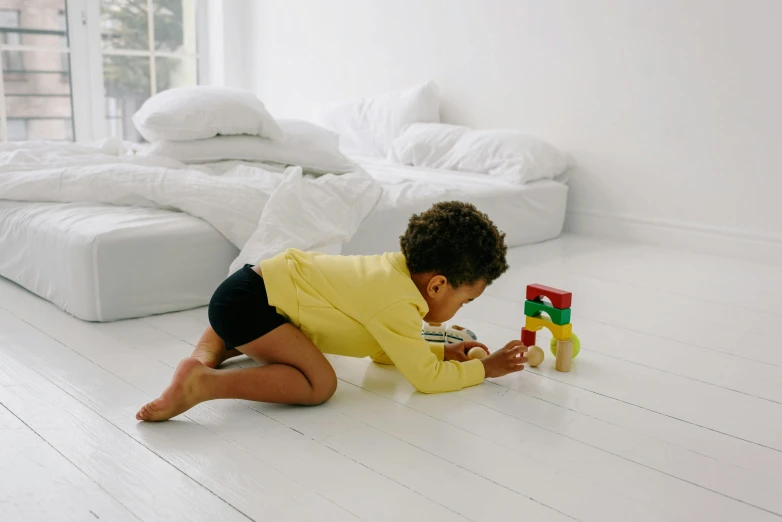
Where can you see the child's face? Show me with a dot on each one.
(444, 300)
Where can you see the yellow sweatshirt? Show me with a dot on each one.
(363, 306)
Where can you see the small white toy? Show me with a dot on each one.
(434, 332)
(439, 333)
(456, 334)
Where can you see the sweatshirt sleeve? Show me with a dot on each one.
(397, 329)
(438, 349)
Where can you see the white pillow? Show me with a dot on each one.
(423, 144)
(504, 154)
(313, 148)
(370, 126)
(196, 113)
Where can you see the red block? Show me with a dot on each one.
(559, 298)
(527, 337)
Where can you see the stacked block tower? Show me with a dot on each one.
(558, 321)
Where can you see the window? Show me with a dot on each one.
(62, 24)
(147, 46)
(10, 36)
(104, 57)
(35, 89)
(17, 130)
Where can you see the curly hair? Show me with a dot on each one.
(456, 240)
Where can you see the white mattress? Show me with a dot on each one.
(104, 262)
(526, 213)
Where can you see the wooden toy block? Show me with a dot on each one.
(573, 339)
(559, 298)
(535, 356)
(564, 356)
(476, 353)
(528, 337)
(557, 315)
(561, 332)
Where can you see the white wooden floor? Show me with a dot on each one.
(673, 412)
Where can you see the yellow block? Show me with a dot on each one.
(561, 332)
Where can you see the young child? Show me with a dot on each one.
(290, 309)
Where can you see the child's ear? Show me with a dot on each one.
(436, 285)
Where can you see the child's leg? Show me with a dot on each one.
(296, 373)
(211, 351)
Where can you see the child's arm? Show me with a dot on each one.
(438, 349)
(398, 331)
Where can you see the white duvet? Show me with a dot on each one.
(260, 211)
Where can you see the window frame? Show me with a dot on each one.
(62, 19)
(7, 45)
(85, 55)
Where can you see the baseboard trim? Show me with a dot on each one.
(712, 240)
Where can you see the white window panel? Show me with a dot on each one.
(17, 130)
(81, 68)
(36, 91)
(11, 19)
(147, 46)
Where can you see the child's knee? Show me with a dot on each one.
(323, 389)
(322, 396)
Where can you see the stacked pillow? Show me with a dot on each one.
(504, 154)
(369, 126)
(403, 126)
(207, 124)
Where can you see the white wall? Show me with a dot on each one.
(672, 108)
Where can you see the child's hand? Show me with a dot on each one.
(458, 351)
(509, 359)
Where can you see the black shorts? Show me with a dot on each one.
(239, 311)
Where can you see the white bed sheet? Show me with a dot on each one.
(104, 262)
(527, 213)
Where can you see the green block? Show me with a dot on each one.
(557, 315)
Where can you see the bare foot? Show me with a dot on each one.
(211, 350)
(181, 395)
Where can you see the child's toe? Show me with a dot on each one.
(143, 413)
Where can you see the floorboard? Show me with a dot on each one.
(673, 411)
(39, 466)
